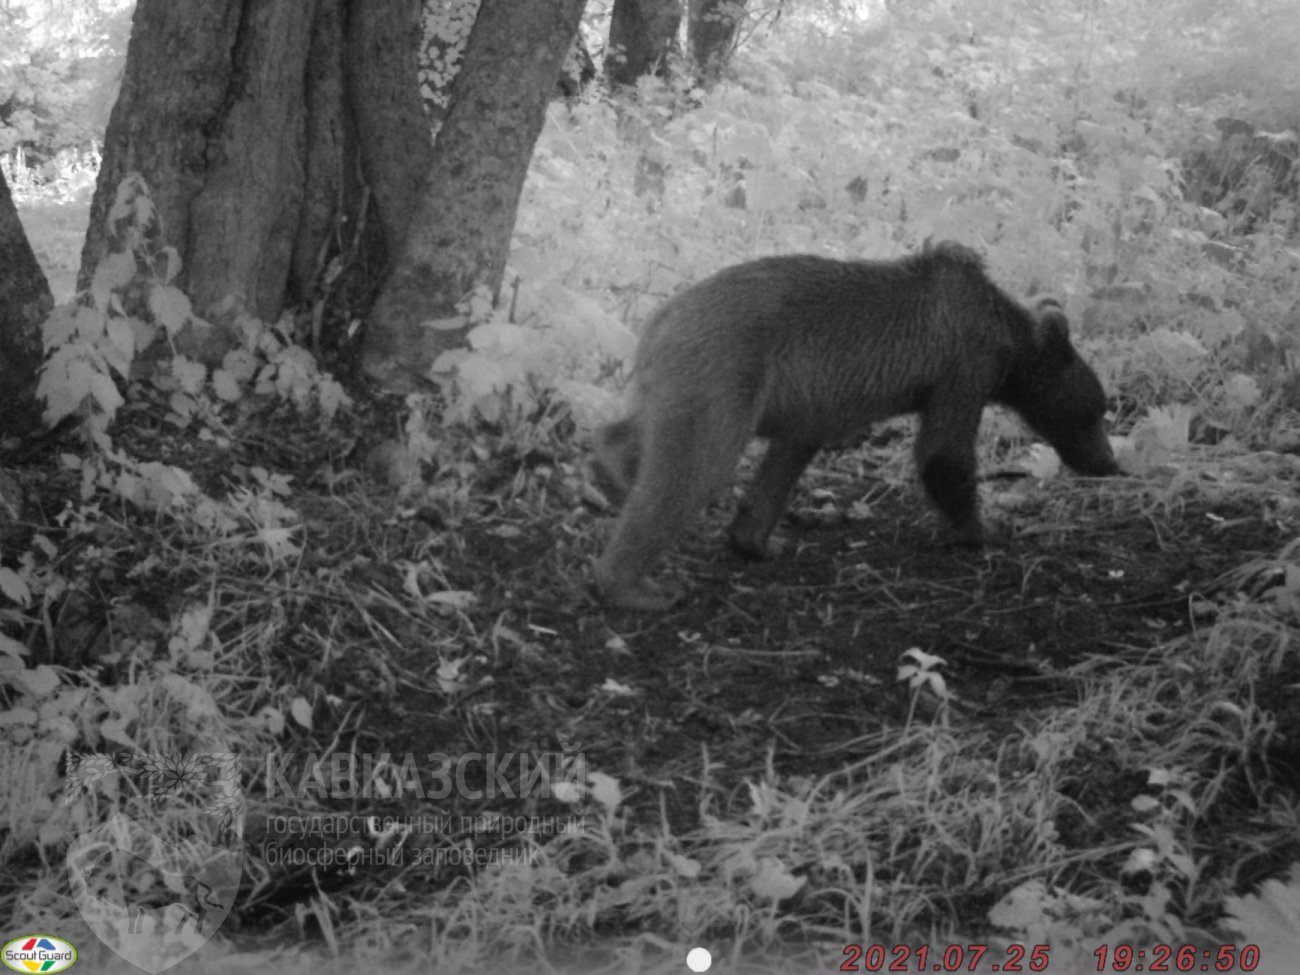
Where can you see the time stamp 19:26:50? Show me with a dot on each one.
(1037, 958)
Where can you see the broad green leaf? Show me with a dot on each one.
(105, 392)
(113, 272)
(170, 307)
(226, 386)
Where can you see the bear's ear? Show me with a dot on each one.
(1051, 327)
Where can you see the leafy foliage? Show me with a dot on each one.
(564, 342)
(1030, 150)
(97, 344)
(59, 66)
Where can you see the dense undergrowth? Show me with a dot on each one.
(1082, 737)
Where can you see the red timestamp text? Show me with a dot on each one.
(1177, 958)
(951, 958)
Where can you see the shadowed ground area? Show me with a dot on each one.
(763, 713)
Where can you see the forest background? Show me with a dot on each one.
(1137, 159)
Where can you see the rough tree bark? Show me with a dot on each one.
(24, 302)
(460, 231)
(172, 86)
(275, 135)
(383, 56)
(642, 33)
(711, 30)
(243, 221)
(447, 32)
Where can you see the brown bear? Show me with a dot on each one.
(808, 351)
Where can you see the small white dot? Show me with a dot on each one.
(699, 959)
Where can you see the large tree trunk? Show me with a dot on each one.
(173, 87)
(264, 128)
(24, 302)
(711, 28)
(642, 33)
(460, 230)
(383, 66)
(244, 220)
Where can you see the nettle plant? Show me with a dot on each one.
(96, 346)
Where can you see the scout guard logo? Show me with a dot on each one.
(43, 953)
(155, 896)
